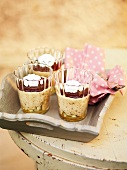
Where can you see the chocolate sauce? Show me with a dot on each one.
(28, 88)
(39, 68)
(78, 94)
(55, 67)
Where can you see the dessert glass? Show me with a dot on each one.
(47, 56)
(33, 90)
(72, 89)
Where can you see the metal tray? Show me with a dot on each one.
(49, 124)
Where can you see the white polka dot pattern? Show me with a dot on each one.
(96, 58)
(93, 59)
(90, 57)
(99, 89)
(74, 58)
(116, 76)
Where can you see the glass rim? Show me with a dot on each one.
(32, 64)
(64, 69)
(62, 54)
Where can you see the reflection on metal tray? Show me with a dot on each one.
(49, 124)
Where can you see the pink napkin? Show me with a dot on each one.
(99, 89)
(90, 58)
(117, 79)
(93, 59)
(74, 58)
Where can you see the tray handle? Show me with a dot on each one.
(39, 125)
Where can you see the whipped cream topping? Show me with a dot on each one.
(31, 80)
(46, 59)
(73, 86)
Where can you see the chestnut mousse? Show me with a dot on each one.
(73, 100)
(34, 93)
(50, 61)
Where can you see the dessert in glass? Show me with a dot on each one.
(46, 56)
(72, 89)
(33, 90)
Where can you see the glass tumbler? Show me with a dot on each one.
(33, 90)
(72, 89)
(46, 56)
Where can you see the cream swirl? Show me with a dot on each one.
(73, 86)
(31, 80)
(46, 59)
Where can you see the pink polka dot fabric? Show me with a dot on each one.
(74, 58)
(99, 89)
(117, 79)
(92, 58)
(116, 76)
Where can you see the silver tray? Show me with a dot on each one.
(49, 124)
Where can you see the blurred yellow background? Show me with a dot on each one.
(25, 24)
